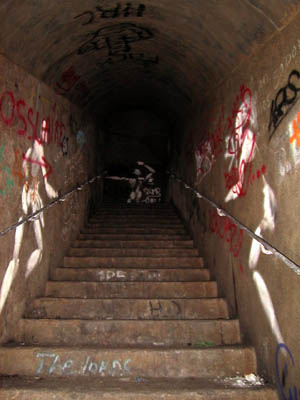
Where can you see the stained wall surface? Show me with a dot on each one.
(224, 75)
(242, 150)
(45, 151)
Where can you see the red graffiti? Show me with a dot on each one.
(240, 144)
(69, 80)
(8, 119)
(52, 131)
(44, 164)
(12, 109)
(226, 229)
(260, 172)
(21, 103)
(208, 151)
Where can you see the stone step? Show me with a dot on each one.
(142, 217)
(158, 207)
(51, 361)
(170, 219)
(136, 212)
(134, 290)
(137, 244)
(123, 237)
(94, 252)
(24, 388)
(55, 332)
(133, 262)
(130, 274)
(128, 309)
(135, 206)
(133, 225)
(135, 231)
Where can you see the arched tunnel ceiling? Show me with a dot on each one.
(158, 53)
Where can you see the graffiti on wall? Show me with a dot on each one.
(239, 151)
(70, 81)
(274, 78)
(296, 130)
(65, 146)
(227, 230)
(80, 138)
(207, 152)
(142, 185)
(238, 143)
(243, 144)
(54, 364)
(118, 11)
(16, 112)
(8, 183)
(240, 146)
(283, 361)
(284, 101)
(34, 164)
(115, 44)
(17, 171)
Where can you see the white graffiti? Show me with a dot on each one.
(240, 150)
(205, 160)
(31, 202)
(141, 185)
(242, 143)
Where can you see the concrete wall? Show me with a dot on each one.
(242, 150)
(47, 147)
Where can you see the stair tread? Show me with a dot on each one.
(108, 330)
(135, 348)
(132, 237)
(138, 244)
(133, 274)
(133, 252)
(173, 361)
(129, 389)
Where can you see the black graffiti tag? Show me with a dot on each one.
(92, 17)
(285, 99)
(115, 39)
(137, 58)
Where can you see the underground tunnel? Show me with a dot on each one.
(121, 112)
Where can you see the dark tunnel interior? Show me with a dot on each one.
(158, 57)
(190, 103)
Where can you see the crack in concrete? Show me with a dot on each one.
(260, 11)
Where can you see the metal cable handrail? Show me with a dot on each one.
(277, 253)
(57, 200)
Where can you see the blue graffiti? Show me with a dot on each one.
(281, 377)
(80, 138)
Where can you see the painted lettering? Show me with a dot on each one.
(11, 108)
(33, 125)
(7, 119)
(21, 103)
(117, 11)
(52, 363)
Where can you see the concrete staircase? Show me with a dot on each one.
(131, 314)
